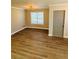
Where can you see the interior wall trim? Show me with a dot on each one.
(65, 36)
(28, 27)
(50, 35)
(18, 30)
(38, 28)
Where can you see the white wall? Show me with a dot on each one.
(58, 7)
(17, 19)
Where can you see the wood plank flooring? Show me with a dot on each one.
(35, 44)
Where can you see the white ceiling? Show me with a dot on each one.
(36, 3)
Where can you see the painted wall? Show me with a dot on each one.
(58, 7)
(28, 18)
(17, 19)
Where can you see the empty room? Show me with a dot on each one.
(39, 29)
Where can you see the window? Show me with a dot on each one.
(37, 18)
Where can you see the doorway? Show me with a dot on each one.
(58, 23)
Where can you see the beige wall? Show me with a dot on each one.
(17, 19)
(28, 18)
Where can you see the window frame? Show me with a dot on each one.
(37, 23)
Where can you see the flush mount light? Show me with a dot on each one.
(31, 7)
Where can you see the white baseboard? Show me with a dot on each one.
(65, 36)
(35, 28)
(27, 27)
(50, 35)
(38, 28)
(18, 30)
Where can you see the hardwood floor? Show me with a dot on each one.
(35, 44)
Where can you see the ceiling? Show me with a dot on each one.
(35, 3)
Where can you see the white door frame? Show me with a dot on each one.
(51, 9)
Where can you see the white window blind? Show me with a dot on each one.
(37, 18)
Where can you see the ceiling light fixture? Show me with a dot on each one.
(31, 7)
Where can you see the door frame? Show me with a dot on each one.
(55, 7)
